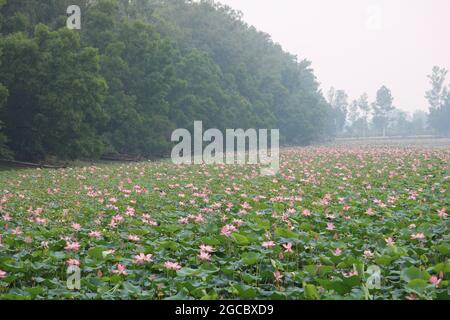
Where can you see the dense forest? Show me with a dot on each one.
(136, 70)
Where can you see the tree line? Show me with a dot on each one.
(139, 69)
(360, 118)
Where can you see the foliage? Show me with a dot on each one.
(382, 108)
(137, 70)
(39, 120)
(439, 99)
(4, 150)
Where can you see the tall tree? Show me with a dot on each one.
(437, 94)
(382, 107)
(439, 101)
(353, 112)
(364, 107)
(338, 100)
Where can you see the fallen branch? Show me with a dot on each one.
(28, 164)
(121, 158)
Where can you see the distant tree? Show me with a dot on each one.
(419, 122)
(437, 94)
(353, 125)
(400, 123)
(439, 101)
(364, 107)
(331, 95)
(338, 100)
(382, 107)
(353, 112)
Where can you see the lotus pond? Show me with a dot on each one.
(336, 223)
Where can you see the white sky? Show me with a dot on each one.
(359, 45)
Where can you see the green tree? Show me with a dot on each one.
(382, 107)
(439, 100)
(364, 107)
(4, 150)
(338, 99)
(56, 95)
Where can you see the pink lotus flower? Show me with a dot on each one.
(350, 274)
(117, 218)
(368, 254)
(268, 244)
(206, 248)
(413, 195)
(442, 214)
(143, 258)
(120, 270)
(17, 231)
(204, 256)
(337, 252)
(183, 220)
(435, 280)
(199, 218)
(95, 234)
(246, 206)
(389, 241)
(238, 222)
(172, 265)
(227, 230)
(73, 262)
(72, 246)
(133, 237)
(330, 226)
(278, 276)
(41, 221)
(418, 236)
(76, 226)
(287, 247)
(130, 211)
(37, 211)
(3, 274)
(112, 224)
(306, 213)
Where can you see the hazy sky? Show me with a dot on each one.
(359, 45)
